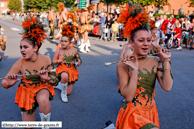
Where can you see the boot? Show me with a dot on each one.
(44, 117)
(87, 49)
(88, 42)
(64, 92)
(58, 86)
(82, 46)
(81, 42)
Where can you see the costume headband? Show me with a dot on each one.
(34, 29)
(133, 16)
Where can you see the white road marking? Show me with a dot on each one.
(15, 29)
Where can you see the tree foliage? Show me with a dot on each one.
(41, 5)
(69, 3)
(190, 2)
(160, 3)
(15, 5)
(114, 1)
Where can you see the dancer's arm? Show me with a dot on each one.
(56, 59)
(11, 77)
(164, 72)
(78, 59)
(128, 85)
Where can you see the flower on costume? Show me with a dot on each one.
(34, 30)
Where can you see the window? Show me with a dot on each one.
(2, 4)
(188, 11)
(173, 11)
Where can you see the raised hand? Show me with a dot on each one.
(132, 63)
(164, 54)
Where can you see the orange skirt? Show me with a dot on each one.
(70, 70)
(136, 117)
(26, 96)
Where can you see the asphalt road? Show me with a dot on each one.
(95, 99)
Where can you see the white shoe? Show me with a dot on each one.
(58, 86)
(82, 46)
(188, 46)
(64, 92)
(87, 49)
(44, 117)
(179, 48)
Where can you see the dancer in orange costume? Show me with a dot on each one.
(37, 81)
(137, 77)
(2, 44)
(65, 58)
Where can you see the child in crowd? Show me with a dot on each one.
(115, 29)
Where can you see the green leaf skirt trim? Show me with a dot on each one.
(148, 126)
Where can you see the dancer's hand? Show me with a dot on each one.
(155, 42)
(164, 54)
(43, 74)
(12, 79)
(59, 61)
(132, 63)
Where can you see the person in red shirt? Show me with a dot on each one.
(177, 36)
(164, 27)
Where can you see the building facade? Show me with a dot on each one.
(3, 6)
(173, 7)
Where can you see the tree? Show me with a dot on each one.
(191, 3)
(69, 3)
(15, 5)
(41, 5)
(160, 3)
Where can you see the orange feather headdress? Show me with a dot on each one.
(90, 7)
(71, 15)
(34, 29)
(69, 30)
(133, 16)
(61, 6)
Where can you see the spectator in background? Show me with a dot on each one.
(115, 29)
(177, 36)
(102, 26)
(185, 29)
(109, 23)
(164, 28)
(96, 30)
(158, 25)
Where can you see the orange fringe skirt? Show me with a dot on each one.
(26, 96)
(70, 69)
(136, 117)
